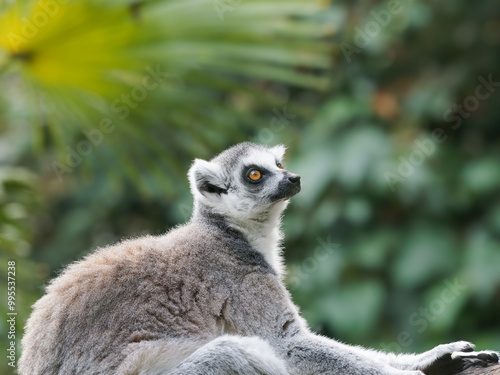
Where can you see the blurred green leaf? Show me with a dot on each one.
(426, 253)
(354, 309)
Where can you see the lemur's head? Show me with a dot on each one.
(246, 181)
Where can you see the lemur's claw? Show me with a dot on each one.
(448, 359)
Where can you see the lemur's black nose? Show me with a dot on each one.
(294, 179)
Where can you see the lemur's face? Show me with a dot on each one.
(246, 180)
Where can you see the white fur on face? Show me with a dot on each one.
(241, 201)
(251, 202)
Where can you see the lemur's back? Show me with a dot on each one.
(143, 289)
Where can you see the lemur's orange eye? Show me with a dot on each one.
(279, 166)
(254, 175)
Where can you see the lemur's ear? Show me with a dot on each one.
(279, 151)
(206, 177)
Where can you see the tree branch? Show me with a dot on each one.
(490, 370)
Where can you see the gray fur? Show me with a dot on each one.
(205, 298)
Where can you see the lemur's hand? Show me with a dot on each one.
(448, 359)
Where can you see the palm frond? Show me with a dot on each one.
(86, 62)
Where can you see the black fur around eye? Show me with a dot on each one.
(279, 165)
(254, 174)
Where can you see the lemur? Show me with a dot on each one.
(207, 297)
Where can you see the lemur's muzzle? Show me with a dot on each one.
(287, 187)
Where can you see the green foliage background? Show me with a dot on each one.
(370, 260)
